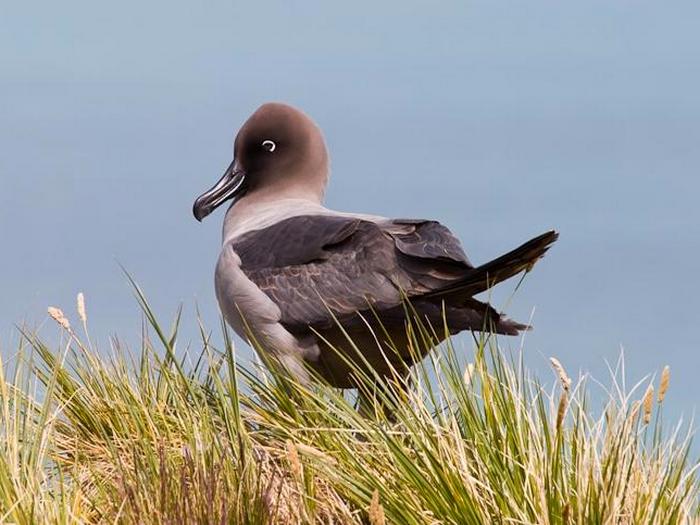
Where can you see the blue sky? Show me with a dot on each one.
(501, 119)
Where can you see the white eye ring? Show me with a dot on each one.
(269, 145)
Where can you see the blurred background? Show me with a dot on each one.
(500, 119)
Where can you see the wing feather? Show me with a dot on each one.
(318, 267)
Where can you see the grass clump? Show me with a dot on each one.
(89, 438)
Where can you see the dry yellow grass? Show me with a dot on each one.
(87, 439)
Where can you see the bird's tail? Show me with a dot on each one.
(493, 272)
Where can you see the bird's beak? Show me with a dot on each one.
(229, 186)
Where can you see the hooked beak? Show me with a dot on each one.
(229, 186)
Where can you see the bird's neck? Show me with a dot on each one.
(259, 210)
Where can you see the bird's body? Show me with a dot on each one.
(300, 278)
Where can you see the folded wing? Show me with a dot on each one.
(318, 267)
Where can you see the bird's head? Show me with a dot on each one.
(278, 151)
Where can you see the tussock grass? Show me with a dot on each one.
(90, 438)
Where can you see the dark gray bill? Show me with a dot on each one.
(228, 187)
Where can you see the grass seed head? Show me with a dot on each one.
(561, 372)
(376, 511)
(81, 307)
(293, 458)
(561, 409)
(58, 316)
(648, 403)
(663, 384)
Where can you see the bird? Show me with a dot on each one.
(310, 287)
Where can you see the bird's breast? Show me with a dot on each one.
(241, 301)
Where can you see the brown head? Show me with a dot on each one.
(279, 152)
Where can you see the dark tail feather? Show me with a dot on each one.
(493, 272)
(482, 317)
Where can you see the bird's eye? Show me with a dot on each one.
(269, 145)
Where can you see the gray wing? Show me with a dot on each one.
(428, 240)
(311, 264)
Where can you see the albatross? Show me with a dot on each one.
(301, 281)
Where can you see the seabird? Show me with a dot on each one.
(295, 276)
